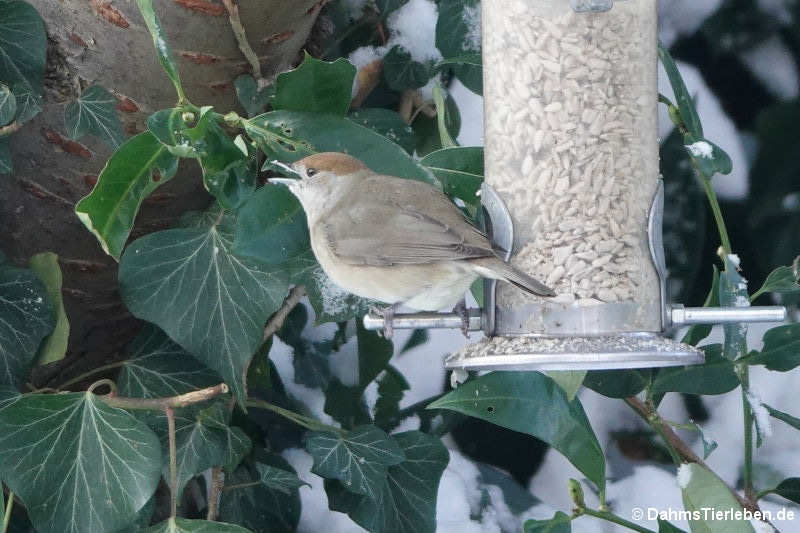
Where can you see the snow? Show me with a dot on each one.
(684, 476)
(678, 18)
(701, 149)
(772, 63)
(761, 527)
(470, 106)
(472, 18)
(413, 27)
(761, 415)
(735, 261)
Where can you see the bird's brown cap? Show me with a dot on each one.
(336, 162)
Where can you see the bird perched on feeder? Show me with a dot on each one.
(394, 240)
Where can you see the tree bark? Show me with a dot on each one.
(106, 42)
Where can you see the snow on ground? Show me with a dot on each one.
(772, 63)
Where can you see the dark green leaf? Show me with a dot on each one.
(346, 404)
(716, 376)
(789, 488)
(474, 60)
(94, 113)
(310, 361)
(78, 464)
(617, 383)
(532, 403)
(699, 332)
(403, 73)
(260, 508)
(185, 525)
(183, 132)
(160, 43)
(560, 523)
(781, 351)
(688, 113)
(29, 102)
(5, 156)
(459, 169)
(418, 338)
(26, 317)
(666, 527)
(391, 386)
(387, 6)
(783, 279)
(291, 135)
(279, 479)
(259, 373)
(253, 99)
(733, 292)
(23, 47)
(707, 156)
(406, 500)
(570, 381)
(702, 489)
(316, 86)
(135, 170)
(8, 105)
(517, 497)
(374, 352)
(784, 417)
(458, 34)
(228, 173)
(387, 123)
(271, 227)
(359, 458)
(54, 346)
(218, 301)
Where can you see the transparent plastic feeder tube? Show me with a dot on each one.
(571, 148)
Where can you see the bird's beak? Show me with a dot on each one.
(289, 182)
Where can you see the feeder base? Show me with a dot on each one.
(631, 350)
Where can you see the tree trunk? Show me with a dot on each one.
(106, 42)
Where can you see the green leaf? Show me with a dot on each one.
(699, 332)
(23, 47)
(784, 417)
(666, 527)
(260, 508)
(458, 34)
(516, 496)
(560, 523)
(26, 317)
(459, 169)
(279, 479)
(292, 135)
(707, 156)
(54, 346)
(402, 73)
(406, 500)
(532, 403)
(253, 99)
(316, 86)
(5, 156)
(183, 132)
(94, 113)
(702, 489)
(391, 386)
(617, 383)
(359, 458)
(271, 227)
(385, 7)
(135, 170)
(783, 279)
(8, 105)
(218, 302)
(569, 380)
(228, 173)
(78, 464)
(688, 113)
(781, 351)
(29, 102)
(447, 125)
(474, 60)
(733, 292)
(716, 376)
(788, 488)
(160, 43)
(185, 525)
(374, 352)
(387, 123)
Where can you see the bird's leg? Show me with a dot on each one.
(461, 310)
(388, 318)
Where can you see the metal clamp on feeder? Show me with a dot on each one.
(572, 188)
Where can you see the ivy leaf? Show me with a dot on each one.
(54, 346)
(402, 72)
(788, 488)
(219, 302)
(253, 99)
(185, 525)
(459, 169)
(458, 33)
(358, 458)
(78, 464)
(29, 102)
(716, 376)
(135, 170)
(271, 227)
(316, 86)
(228, 173)
(560, 523)
(182, 132)
(292, 135)
(617, 383)
(781, 351)
(8, 105)
(160, 42)
(686, 109)
(702, 489)
(279, 479)
(387, 123)
(405, 502)
(260, 508)
(94, 113)
(783, 279)
(391, 386)
(23, 47)
(26, 317)
(5, 156)
(532, 403)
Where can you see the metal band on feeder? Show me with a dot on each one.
(572, 191)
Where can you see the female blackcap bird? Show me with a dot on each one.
(394, 240)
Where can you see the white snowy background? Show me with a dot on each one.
(632, 484)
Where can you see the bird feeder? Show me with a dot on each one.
(573, 193)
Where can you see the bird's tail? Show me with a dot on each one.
(495, 268)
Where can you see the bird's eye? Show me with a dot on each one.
(310, 172)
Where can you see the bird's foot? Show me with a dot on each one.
(461, 310)
(388, 319)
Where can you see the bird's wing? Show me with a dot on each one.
(383, 234)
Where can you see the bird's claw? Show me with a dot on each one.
(388, 319)
(461, 310)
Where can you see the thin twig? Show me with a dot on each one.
(78, 379)
(173, 402)
(241, 39)
(173, 465)
(214, 490)
(301, 420)
(279, 317)
(611, 517)
(9, 507)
